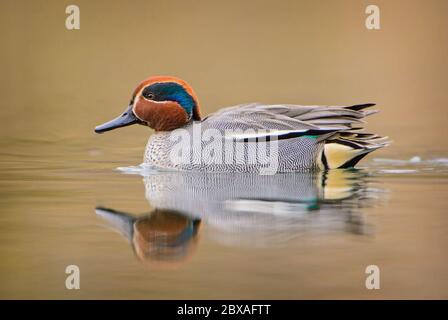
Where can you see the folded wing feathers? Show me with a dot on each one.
(318, 115)
(343, 119)
(357, 141)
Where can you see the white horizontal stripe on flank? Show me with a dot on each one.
(262, 134)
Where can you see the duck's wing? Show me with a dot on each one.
(289, 119)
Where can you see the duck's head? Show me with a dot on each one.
(162, 103)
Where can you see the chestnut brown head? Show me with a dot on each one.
(162, 103)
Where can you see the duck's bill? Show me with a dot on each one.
(118, 220)
(127, 118)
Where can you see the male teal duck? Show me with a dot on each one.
(305, 137)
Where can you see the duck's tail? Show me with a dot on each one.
(346, 148)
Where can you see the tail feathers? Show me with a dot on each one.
(358, 107)
(348, 148)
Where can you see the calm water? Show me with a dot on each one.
(142, 234)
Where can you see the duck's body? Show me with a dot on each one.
(307, 137)
(245, 138)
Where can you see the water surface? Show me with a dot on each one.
(136, 234)
(145, 234)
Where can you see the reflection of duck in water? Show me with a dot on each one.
(161, 237)
(245, 209)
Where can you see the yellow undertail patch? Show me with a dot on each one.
(338, 154)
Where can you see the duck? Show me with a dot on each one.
(248, 137)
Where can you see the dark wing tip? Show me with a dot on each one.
(358, 107)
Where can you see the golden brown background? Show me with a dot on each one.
(60, 83)
(56, 85)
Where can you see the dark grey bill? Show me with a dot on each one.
(126, 119)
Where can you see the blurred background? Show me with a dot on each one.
(60, 83)
(57, 84)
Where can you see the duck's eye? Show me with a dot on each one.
(148, 95)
